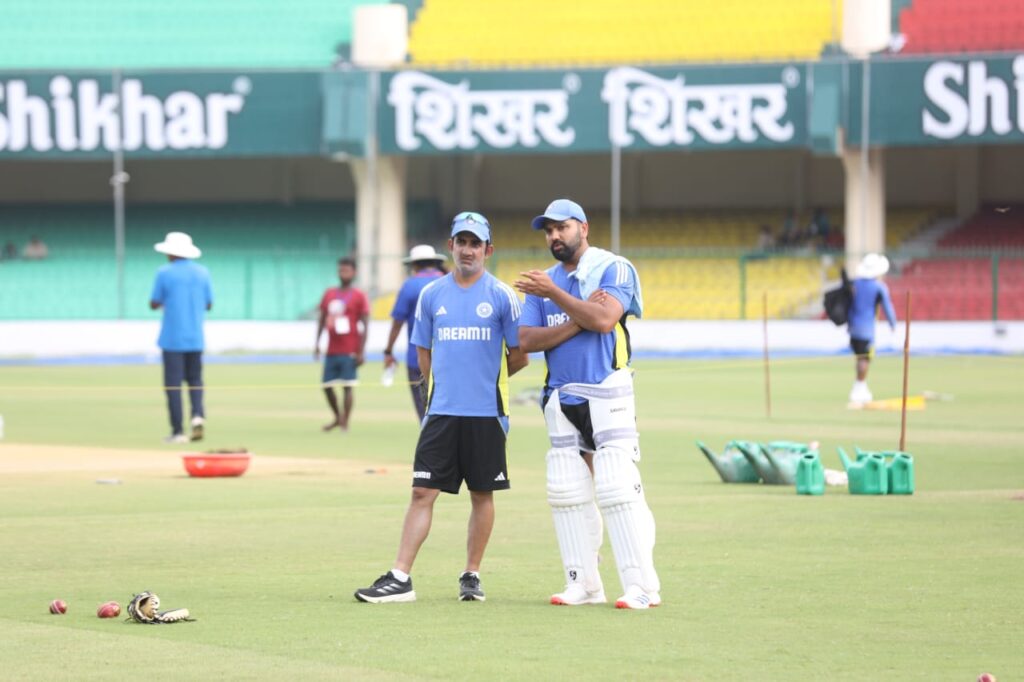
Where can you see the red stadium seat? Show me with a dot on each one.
(959, 26)
(960, 288)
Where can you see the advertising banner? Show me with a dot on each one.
(65, 116)
(591, 110)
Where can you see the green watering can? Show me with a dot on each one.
(775, 462)
(810, 475)
(785, 456)
(731, 465)
(867, 475)
(754, 454)
(899, 467)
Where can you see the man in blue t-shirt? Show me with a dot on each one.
(869, 291)
(576, 313)
(182, 289)
(467, 341)
(426, 266)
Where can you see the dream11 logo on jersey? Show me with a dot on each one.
(78, 117)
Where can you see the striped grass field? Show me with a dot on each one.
(758, 583)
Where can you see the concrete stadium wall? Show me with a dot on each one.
(57, 339)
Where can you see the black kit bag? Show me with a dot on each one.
(838, 300)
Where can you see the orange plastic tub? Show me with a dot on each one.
(209, 464)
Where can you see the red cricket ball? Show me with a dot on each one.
(110, 609)
(58, 606)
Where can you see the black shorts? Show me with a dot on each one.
(456, 449)
(861, 347)
(579, 416)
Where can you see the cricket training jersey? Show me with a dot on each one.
(588, 357)
(404, 309)
(467, 332)
(868, 294)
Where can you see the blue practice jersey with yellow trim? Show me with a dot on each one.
(588, 357)
(467, 332)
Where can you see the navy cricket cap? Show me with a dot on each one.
(559, 210)
(470, 221)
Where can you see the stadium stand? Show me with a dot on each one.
(999, 227)
(975, 272)
(728, 289)
(611, 31)
(935, 26)
(691, 230)
(268, 261)
(962, 288)
(705, 264)
(57, 34)
(272, 261)
(80, 230)
(901, 225)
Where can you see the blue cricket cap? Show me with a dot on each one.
(559, 210)
(470, 221)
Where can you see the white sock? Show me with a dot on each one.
(400, 575)
(475, 574)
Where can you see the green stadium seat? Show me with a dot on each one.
(104, 34)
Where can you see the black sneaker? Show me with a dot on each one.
(469, 588)
(387, 588)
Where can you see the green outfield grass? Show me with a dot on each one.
(758, 583)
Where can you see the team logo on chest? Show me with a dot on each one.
(484, 310)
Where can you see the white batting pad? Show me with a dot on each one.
(577, 521)
(631, 529)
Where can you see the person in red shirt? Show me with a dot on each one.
(344, 312)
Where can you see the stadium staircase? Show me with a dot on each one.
(524, 33)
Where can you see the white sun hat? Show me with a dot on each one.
(178, 244)
(423, 252)
(873, 265)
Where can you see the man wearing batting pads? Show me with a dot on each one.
(575, 312)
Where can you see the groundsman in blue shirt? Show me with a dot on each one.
(182, 289)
